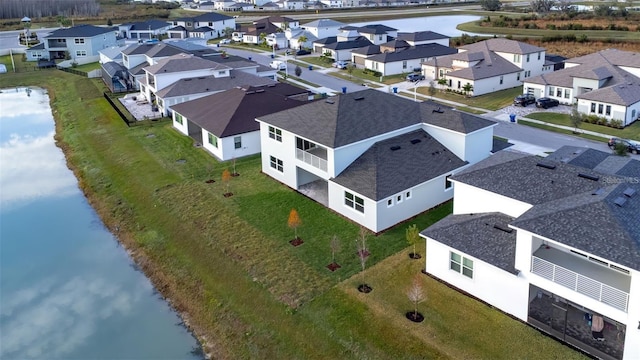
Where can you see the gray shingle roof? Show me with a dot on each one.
(234, 111)
(475, 234)
(414, 52)
(381, 172)
(183, 62)
(80, 31)
(351, 44)
(211, 16)
(112, 69)
(204, 84)
(367, 50)
(503, 45)
(619, 94)
(421, 36)
(323, 23)
(356, 116)
(147, 25)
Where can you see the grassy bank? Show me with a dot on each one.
(226, 264)
(630, 132)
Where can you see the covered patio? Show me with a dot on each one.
(141, 109)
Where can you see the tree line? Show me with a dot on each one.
(14, 9)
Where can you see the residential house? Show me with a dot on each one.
(144, 30)
(294, 36)
(167, 71)
(187, 89)
(224, 123)
(278, 40)
(405, 59)
(554, 242)
(113, 53)
(371, 156)
(605, 84)
(424, 37)
(114, 76)
(81, 43)
(207, 26)
(323, 28)
(293, 4)
(354, 37)
(488, 66)
(332, 3)
(267, 26)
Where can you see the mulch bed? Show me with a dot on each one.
(235, 174)
(210, 181)
(333, 266)
(415, 317)
(415, 256)
(364, 288)
(228, 194)
(296, 242)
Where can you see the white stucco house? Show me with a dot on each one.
(405, 58)
(606, 84)
(209, 25)
(81, 43)
(144, 30)
(552, 241)
(323, 28)
(224, 123)
(489, 65)
(371, 156)
(423, 37)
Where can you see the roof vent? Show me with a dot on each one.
(546, 165)
(330, 101)
(598, 191)
(503, 228)
(358, 98)
(260, 90)
(620, 201)
(415, 141)
(207, 89)
(438, 110)
(589, 177)
(629, 192)
(395, 147)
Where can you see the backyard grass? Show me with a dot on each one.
(226, 263)
(88, 67)
(493, 101)
(630, 132)
(561, 131)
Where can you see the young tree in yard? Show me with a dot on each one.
(298, 71)
(228, 31)
(467, 88)
(335, 247)
(432, 89)
(416, 295)
(350, 69)
(576, 119)
(301, 40)
(442, 82)
(363, 255)
(263, 38)
(226, 179)
(294, 221)
(490, 5)
(413, 237)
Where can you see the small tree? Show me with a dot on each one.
(228, 31)
(467, 88)
(298, 71)
(442, 82)
(432, 89)
(576, 118)
(301, 40)
(620, 149)
(416, 295)
(542, 6)
(490, 5)
(350, 68)
(294, 221)
(109, 22)
(263, 38)
(413, 237)
(233, 161)
(226, 179)
(363, 255)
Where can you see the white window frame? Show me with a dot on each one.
(275, 133)
(389, 202)
(353, 201)
(78, 41)
(407, 195)
(461, 264)
(81, 53)
(212, 139)
(276, 163)
(178, 118)
(237, 142)
(448, 184)
(398, 199)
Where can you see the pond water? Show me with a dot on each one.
(445, 25)
(67, 289)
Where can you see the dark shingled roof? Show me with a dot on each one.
(475, 234)
(381, 172)
(415, 52)
(234, 111)
(205, 84)
(360, 115)
(211, 16)
(112, 69)
(359, 42)
(80, 31)
(147, 25)
(421, 36)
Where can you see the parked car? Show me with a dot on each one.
(225, 41)
(546, 103)
(524, 100)
(302, 52)
(278, 65)
(340, 64)
(632, 146)
(415, 77)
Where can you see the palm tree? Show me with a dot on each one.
(263, 38)
(467, 88)
(301, 40)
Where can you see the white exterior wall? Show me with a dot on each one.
(454, 141)
(478, 145)
(284, 151)
(631, 347)
(164, 80)
(635, 70)
(226, 146)
(393, 68)
(537, 90)
(488, 85)
(323, 32)
(165, 109)
(618, 112)
(488, 283)
(472, 200)
(184, 127)
(422, 197)
(336, 203)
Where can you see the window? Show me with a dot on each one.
(518, 77)
(461, 265)
(633, 114)
(222, 72)
(539, 55)
(379, 37)
(527, 73)
(81, 53)
(210, 23)
(404, 64)
(441, 73)
(501, 79)
(516, 58)
(600, 108)
(178, 118)
(593, 107)
(275, 133)
(528, 56)
(558, 92)
(213, 140)
(79, 41)
(447, 183)
(125, 58)
(390, 203)
(607, 110)
(237, 142)
(459, 84)
(276, 164)
(567, 93)
(398, 199)
(551, 90)
(353, 201)
(407, 195)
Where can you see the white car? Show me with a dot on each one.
(278, 65)
(225, 41)
(340, 64)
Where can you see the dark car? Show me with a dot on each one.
(524, 100)
(415, 77)
(302, 52)
(632, 146)
(546, 103)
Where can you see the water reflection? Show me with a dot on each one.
(445, 25)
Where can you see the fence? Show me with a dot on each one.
(124, 117)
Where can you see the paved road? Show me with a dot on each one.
(9, 39)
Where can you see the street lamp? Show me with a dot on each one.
(286, 64)
(415, 91)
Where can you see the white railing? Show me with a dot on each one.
(580, 283)
(311, 159)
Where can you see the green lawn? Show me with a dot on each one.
(88, 67)
(561, 131)
(227, 264)
(491, 101)
(630, 132)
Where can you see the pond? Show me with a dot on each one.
(445, 25)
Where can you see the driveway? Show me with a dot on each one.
(521, 111)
